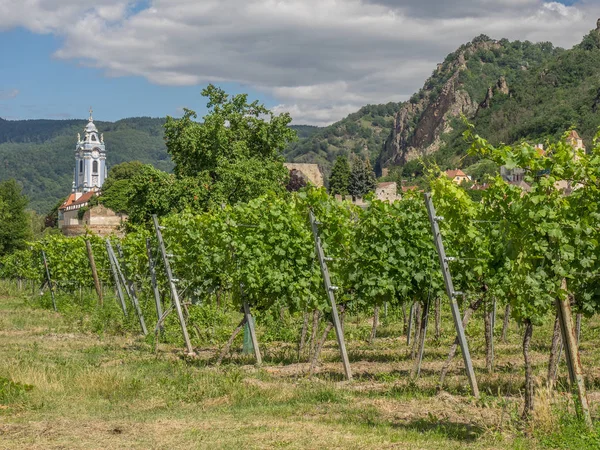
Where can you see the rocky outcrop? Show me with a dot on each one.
(502, 86)
(419, 126)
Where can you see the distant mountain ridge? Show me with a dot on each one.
(510, 91)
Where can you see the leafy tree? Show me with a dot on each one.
(340, 177)
(362, 178)
(235, 146)
(118, 187)
(51, 219)
(15, 226)
(297, 181)
(156, 192)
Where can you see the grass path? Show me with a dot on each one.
(63, 389)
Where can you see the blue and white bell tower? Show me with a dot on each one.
(90, 160)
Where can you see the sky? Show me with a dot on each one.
(319, 60)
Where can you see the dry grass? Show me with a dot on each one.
(114, 392)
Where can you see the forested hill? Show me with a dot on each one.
(40, 153)
(510, 91)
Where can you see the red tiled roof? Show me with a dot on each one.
(455, 173)
(385, 184)
(409, 188)
(573, 135)
(70, 201)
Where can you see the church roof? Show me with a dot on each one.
(90, 127)
(71, 203)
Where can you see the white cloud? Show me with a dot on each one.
(6, 94)
(320, 59)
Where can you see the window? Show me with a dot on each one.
(95, 167)
(81, 165)
(94, 137)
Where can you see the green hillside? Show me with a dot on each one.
(560, 93)
(40, 153)
(363, 132)
(510, 91)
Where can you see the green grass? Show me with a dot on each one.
(67, 383)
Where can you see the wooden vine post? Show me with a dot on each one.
(174, 294)
(569, 339)
(49, 280)
(90, 253)
(452, 294)
(339, 332)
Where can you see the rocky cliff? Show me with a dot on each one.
(419, 126)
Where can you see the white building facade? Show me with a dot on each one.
(90, 160)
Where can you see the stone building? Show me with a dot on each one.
(75, 216)
(310, 172)
(387, 191)
(457, 176)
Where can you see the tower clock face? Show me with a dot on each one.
(95, 153)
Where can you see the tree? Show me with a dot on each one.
(362, 178)
(117, 189)
(156, 192)
(15, 226)
(297, 181)
(340, 177)
(235, 146)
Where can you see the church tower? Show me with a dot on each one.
(90, 160)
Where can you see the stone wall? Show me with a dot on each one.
(97, 220)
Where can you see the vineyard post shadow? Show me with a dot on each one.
(452, 294)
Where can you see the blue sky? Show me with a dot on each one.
(57, 89)
(317, 59)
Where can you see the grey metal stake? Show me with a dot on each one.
(174, 294)
(155, 290)
(49, 280)
(493, 325)
(339, 332)
(411, 315)
(116, 278)
(129, 287)
(417, 368)
(452, 294)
